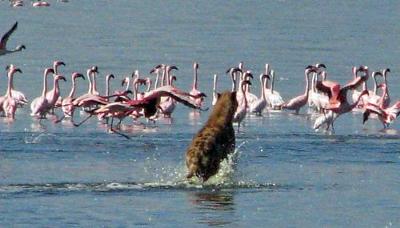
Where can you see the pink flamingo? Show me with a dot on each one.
(385, 115)
(149, 103)
(53, 96)
(318, 100)
(91, 98)
(274, 99)
(9, 103)
(259, 105)
(298, 102)
(157, 69)
(340, 104)
(386, 98)
(39, 105)
(67, 103)
(195, 91)
(4, 39)
(108, 77)
(40, 3)
(167, 104)
(241, 111)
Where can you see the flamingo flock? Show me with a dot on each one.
(139, 97)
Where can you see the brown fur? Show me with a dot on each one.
(214, 141)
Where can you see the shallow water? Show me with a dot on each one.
(284, 174)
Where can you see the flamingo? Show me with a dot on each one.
(167, 104)
(53, 96)
(338, 103)
(297, 102)
(259, 105)
(318, 100)
(4, 39)
(157, 69)
(215, 94)
(195, 91)
(149, 103)
(274, 99)
(39, 105)
(67, 104)
(108, 77)
(385, 114)
(9, 103)
(40, 3)
(241, 110)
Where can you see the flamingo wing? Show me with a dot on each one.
(7, 35)
(175, 93)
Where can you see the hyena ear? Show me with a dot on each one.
(218, 95)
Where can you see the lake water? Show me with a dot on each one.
(284, 174)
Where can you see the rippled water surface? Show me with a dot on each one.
(283, 173)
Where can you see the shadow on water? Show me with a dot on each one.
(215, 208)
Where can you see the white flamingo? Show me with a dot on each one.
(274, 99)
(9, 103)
(39, 105)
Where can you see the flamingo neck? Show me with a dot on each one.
(307, 91)
(72, 92)
(90, 91)
(44, 91)
(262, 87)
(156, 82)
(386, 87)
(233, 77)
(215, 87)
(163, 77)
(195, 78)
(128, 83)
(272, 83)
(56, 87)
(10, 83)
(243, 89)
(108, 87)
(94, 87)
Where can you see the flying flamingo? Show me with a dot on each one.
(4, 39)
(195, 91)
(259, 105)
(39, 105)
(67, 104)
(298, 102)
(274, 99)
(9, 103)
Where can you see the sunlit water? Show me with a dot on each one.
(282, 174)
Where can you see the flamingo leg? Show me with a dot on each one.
(117, 132)
(83, 121)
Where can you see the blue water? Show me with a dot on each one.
(283, 173)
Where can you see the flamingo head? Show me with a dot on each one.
(48, 71)
(77, 75)
(195, 65)
(94, 69)
(320, 66)
(173, 67)
(384, 72)
(109, 76)
(248, 74)
(124, 81)
(156, 68)
(60, 77)
(20, 47)
(17, 70)
(58, 63)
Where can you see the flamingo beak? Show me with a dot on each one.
(81, 76)
(7, 67)
(18, 70)
(62, 63)
(23, 47)
(112, 76)
(63, 78)
(174, 67)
